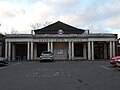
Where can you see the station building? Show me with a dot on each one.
(65, 41)
(2, 40)
(118, 47)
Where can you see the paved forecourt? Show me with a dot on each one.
(61, 75)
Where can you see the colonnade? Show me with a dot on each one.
(30, 50)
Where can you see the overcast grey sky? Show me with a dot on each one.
(99, 16)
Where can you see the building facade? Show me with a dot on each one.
(118, 47)
(2, 40)
(65, 41)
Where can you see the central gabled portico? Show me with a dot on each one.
(60, 42)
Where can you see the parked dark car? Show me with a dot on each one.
(114, 60)
(3, 61)
(46, 56)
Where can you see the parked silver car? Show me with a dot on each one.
(46, 56)
(3, 61)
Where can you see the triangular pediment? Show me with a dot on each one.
(56, 27)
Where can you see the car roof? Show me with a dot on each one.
(117, 57)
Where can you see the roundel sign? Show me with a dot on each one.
(60, 31)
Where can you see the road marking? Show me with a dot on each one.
(9, 65)
(105, 67)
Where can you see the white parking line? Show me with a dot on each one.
(105, 67)
(10, 65)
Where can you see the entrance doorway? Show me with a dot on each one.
(99, 50)
(78, 50)
(40, 48)
(60, 51)
(21, 51)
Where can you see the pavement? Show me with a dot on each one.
(62, 75)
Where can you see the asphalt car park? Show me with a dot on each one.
(60, 75)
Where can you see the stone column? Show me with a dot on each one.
(113, 48)
(6, 50)
(13, 51)
(89, 51)
(1, 47)
(51, 46)
(110, 49)
(92, 50)
(105, 51)
(28, 50)
(31, 50)
(35, 51)
(84, 51)
(69, 51)
(72, 50)
(48, 46)
(9, 51)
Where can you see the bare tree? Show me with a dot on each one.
(14, 31)
(39, 25)
(36, 25)
(47, 23)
